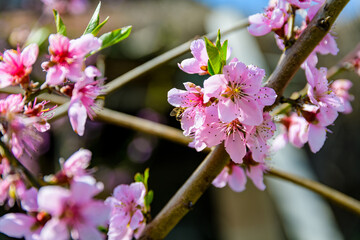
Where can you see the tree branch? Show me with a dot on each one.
(187, 195)
(335, 196)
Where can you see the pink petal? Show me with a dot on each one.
(237, 179)
(234, 72)
(266, 96)
(256, 175)
(317, 136)
(213, 86)
(84, 45)
(250, 112)
(136, 219)
(84, 188)
(29, 200)
(228, 111)
(235, 147)
(77, 162)
(52, 199)
(138, 191)
(191, 66)
(177, 97)
(16, 224)
(279, 142)
(55, 229)
(87, 232)
(56, 75)
(198, 50)
(221, 179)
(29, 55)
(95, 213)
(77, 115)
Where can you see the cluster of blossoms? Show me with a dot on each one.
(279, 17)
(319, 107)
(228, 109)
(66, 207)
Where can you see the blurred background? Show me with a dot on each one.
(282, 211)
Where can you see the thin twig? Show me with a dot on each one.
(335, 196)
(18, 165)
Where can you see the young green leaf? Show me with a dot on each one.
(149, 198)
(218, 40)
(94, 21)
(115, 36)
(60, 26)
(146, 177)
(139, 177)
(214, 56)
(210, 68)
(97, 29)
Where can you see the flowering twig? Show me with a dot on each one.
(337, 197)
(294, 56)
(18, 165)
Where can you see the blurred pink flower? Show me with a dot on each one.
(67, 57)
(16, 66)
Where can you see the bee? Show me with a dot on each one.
(177, 113)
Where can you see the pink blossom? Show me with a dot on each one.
(12, 187)
(19, 225)
(215, 131)
(318, 118)
(294, 130)
(257, 136)
(73, 210)
(83, 99)
(239, 93)
(76, 164)
(67, 57)
(197, 64)
(341, 89)
(193, 102)
(319, 92)
(126, 215)
(263, 23)
(16, 67)
(40, 113)
(235, 175)
(232, 175)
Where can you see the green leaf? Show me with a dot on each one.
(149, 198)
(97, 29)
(115, 36)
(146, 177)
(60, 26)
(214, 56)
(223, 51)
(38, 36)
(139, 177)
(218, 40)
(94, 21)
(210, 68)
